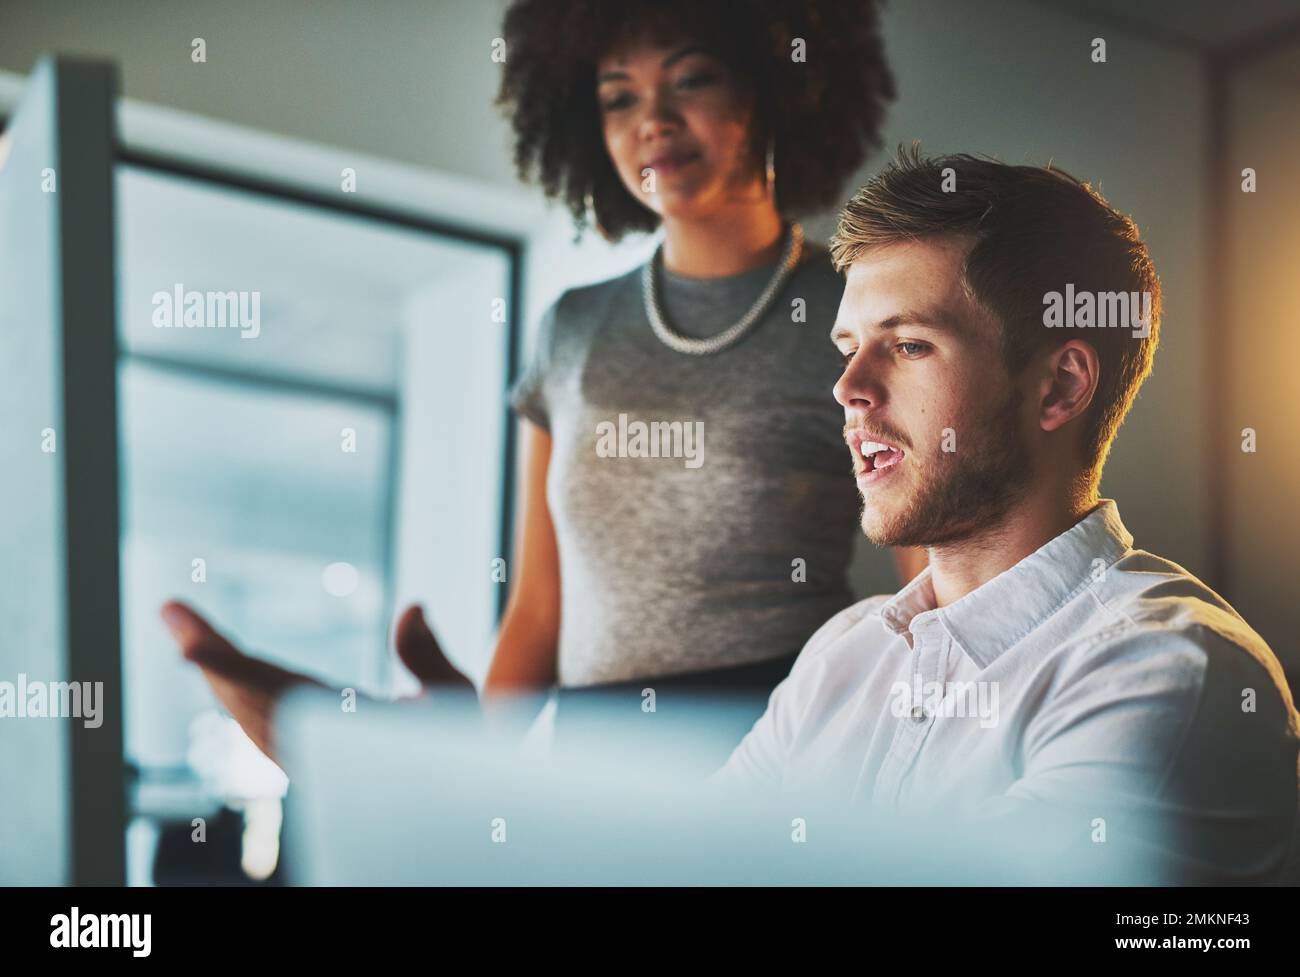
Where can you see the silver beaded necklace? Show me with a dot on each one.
(732, 334)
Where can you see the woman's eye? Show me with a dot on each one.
(617, 102)
(698, 80)
(911, 349)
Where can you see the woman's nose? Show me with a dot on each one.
(661, 116)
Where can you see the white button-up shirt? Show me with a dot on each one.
(1089, 676)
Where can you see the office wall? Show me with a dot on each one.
(407, 80)
(1262, 320)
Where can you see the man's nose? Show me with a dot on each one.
(858, 387)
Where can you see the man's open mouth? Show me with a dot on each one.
(871, 455)
(878, 455)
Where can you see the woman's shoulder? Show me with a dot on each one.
(820, 287)
(581, 303)
(817, 271)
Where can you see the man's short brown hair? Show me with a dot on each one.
(1035, 230)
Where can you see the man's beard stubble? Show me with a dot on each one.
(958, 499)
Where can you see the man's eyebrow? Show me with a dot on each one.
(929, 319)
(618, 74)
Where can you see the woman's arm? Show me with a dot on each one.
(527, 644)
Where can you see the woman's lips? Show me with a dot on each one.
(671, 164)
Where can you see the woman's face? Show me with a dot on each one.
(676, 124)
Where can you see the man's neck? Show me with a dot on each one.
(956, 569)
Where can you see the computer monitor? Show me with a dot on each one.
(424, 794)
(62, 818)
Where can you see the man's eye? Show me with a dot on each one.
(847, 357)
(911, 349)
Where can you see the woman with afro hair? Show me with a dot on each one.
(704, 553)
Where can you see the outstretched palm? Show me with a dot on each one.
(250, 688)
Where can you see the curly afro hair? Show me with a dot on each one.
(822, 114)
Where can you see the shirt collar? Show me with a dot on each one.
(1035, 588)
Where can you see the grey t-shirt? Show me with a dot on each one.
(726, 550)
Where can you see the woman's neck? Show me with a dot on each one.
(728, 242)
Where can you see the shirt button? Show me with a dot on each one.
(918, 713)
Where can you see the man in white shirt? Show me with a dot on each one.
(1040, 663)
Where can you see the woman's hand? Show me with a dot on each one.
(419, 651)
(250, 689)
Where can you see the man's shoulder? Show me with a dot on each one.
(816, 270)
(1160, 624)
(1146, 595)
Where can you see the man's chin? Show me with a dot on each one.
(886, 527)
(878, 527)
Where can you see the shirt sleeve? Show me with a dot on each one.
(1177, 749)
(529, 395)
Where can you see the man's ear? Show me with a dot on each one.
(1070, 378)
